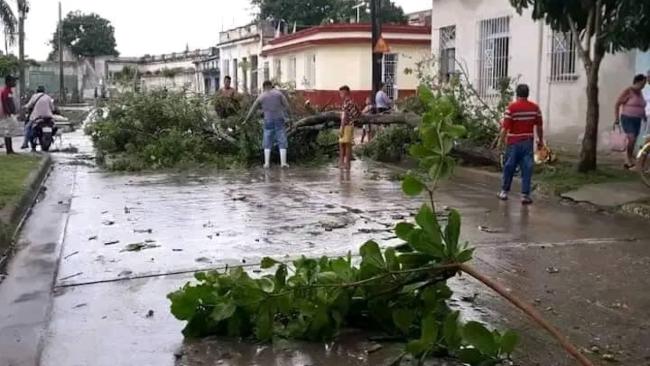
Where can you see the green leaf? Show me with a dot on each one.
(429, 330)
(342, 269)
(422, 242)
(223, 310)
(371, 255)
(450, 330)
(414, 260)
(412, 186)
(425, 94)
(428, 221)
(266, 284)
(471, 356)
(328, 278)
(403, 229)
(264, 325)
(268, 263)
(465, 255)
(452, 232)
(457, 131)
(403, 318)
(416, 347)
(281, 275)
(509, 341)
(419, 151)
(391, 259)
(478, 336)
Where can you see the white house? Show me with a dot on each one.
(239, 52)
(318, 60)
(489, 40)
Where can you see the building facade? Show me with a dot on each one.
(488, 40)
(318, 60)
(240, 55)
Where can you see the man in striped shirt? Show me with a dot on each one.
(522, 118)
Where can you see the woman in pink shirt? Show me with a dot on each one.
(630, 112)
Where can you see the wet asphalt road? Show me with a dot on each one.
(76, 296)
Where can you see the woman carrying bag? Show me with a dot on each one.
(630, 113)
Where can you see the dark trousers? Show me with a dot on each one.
(519, 154)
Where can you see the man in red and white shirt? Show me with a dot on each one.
(521, 120)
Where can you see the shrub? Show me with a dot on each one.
(390, 144)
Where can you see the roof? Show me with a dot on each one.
(348, 33)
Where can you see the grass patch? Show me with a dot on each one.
(563, 177)
(13, 173)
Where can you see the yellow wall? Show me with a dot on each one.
(348, 64)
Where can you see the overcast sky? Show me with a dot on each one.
(153, 26)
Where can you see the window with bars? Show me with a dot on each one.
(389, 74)
(563, 57)
(493, 55)
(226, 68)
(291, 70)
(310, 70)
(277, 69)
(267, 71)
(447, 52)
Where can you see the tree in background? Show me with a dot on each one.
(597, 27)
(23, 9)
(86, 35)
(315, 12)
(9, 23)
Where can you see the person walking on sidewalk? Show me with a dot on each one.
(522, 118)
(276, 108)
(630, 112)
(9, 126)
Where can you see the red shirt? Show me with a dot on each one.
(520, 120)
(7, 100)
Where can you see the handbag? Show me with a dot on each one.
(617, 139)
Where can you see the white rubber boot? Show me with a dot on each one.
(267, 158)
(283, 158)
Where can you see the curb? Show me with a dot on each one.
(19, 211)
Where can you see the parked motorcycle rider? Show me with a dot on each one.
(40, 109)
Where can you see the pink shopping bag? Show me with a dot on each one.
(617, 139)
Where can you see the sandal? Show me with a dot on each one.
(628, 166)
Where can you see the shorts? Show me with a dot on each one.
(274, 129)
(9, 127)
(631, 125)
(347, 137)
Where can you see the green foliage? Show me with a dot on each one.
(8, 65)
(86, 35)
(401, 291)
(623, 24)
(315, 12)
(15, 170)
(8, 20)
(390, 144)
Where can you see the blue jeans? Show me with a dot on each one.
(274, 128)
(519, 154)
(28, 134)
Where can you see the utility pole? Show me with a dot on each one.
(62, 95)
(375, 18)
(23, 9)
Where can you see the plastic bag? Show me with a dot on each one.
(617, 139)
(544, 155)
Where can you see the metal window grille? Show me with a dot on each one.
(563, 57)
(254, 74)
(235, 74)
(277, 69)
(310, 71)
(226, 68)
(267, 71)
(389, 74)
(292, 69)
(447, 52)
(493, 55)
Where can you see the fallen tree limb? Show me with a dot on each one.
(410, 119)
(530, 311)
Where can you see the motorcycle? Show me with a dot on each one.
(43, 132)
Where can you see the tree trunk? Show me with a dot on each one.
(21, 54)
(588, 154)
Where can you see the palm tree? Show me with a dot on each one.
(8, 20)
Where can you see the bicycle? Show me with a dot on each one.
(643, 161)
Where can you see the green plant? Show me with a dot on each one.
(389, 144)
(401, 290)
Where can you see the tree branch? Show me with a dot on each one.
(584, 56)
